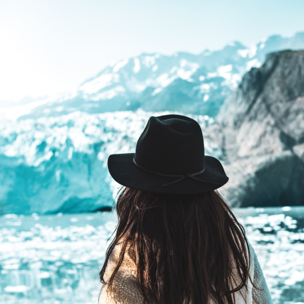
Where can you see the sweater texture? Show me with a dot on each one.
(125, 288)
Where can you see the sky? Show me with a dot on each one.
(51, 46)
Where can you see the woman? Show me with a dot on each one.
(176, 241)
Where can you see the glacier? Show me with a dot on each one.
(59, 164)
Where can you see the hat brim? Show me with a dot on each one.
(125, 172)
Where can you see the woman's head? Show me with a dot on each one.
(169, 158)
(185, 245)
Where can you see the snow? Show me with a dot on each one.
(225, 71)
(235, 80)
(157, 90)
(181, 73)
(212, 75)
(109, 94)
(186, 69)
(155, 68)
(120, 65)
(243, 53)
(183, 63)
(252, 51)
(99, 83)
(58, 173)
(70, 155)
(16, 289)
(44, 274)
(59, 109)
(164, 79)
(253, 63)
(136, 68)
(135, 86)
(173, 70)
(10, 216)
(249, 52)
(149, 61)
(205, 87)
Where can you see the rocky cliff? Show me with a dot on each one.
(261, 127)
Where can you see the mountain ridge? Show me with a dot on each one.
(206, 79)
(53, 158)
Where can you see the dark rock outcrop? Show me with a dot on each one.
(261, 129)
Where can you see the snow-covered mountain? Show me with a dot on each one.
(53, 157)
(184, 82)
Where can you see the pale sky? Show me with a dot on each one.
(49, 46)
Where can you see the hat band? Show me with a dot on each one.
(178, 176)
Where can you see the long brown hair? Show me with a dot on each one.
(185, 246)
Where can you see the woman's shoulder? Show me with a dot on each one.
(261, 293)
(124, 289)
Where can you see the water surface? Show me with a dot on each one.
(56, 258)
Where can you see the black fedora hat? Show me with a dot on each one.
(169, 158)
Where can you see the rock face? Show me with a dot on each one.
(261, 129)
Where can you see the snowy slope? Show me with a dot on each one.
(189, 83)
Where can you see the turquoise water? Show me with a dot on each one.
(56, 258)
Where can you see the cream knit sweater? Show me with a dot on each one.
(125, 290)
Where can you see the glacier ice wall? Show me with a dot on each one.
(58, 164)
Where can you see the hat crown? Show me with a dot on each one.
(171, 144)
